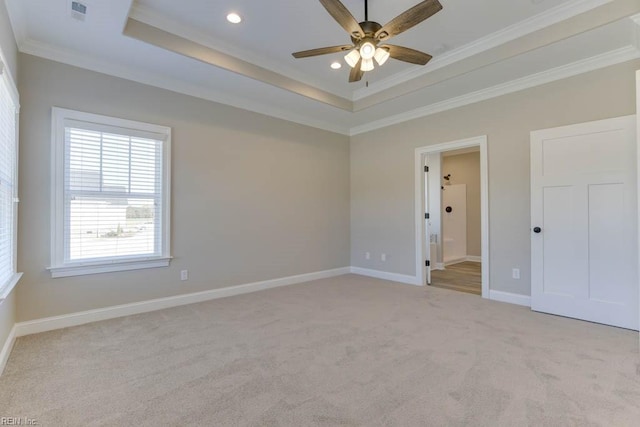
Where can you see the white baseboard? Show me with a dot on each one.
(470, 258)
(80, 318)
(510, 298)
(394, 277)
(6, 349)
(74, 319)
(438, 266)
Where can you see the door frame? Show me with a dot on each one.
(638, 177)
(420, 192)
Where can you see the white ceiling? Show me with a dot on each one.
(481, 49)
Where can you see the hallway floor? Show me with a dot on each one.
(462, 277)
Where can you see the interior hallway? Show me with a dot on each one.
(462, 277)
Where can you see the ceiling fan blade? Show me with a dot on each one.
(342, 15)
(408, 55)
(408, 19)
(356, 73)
(322, 51)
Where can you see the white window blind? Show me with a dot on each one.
(8, 187)
(114, 201)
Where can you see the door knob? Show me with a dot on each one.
(448, 209)
(537, 229)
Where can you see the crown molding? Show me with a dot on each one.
(46, 51)
(547, 18)
(613, 57)
(155, 19)
(76, 59)
(609, 13)
(207, 47)
(174, 43)
(538, 22)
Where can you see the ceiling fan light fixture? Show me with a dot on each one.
(352, 58)
(381, 55)
(367, 50)
(367, 65)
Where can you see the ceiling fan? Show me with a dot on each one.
(369, 38)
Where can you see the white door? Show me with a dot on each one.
(454, 223)
(584, 253)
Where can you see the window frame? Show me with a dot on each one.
(5, 76)
(61, 268)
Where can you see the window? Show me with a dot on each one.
(110, 196)
(8, 182)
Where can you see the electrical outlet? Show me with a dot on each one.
(367, 255)
(515, 273)
(383, 257)
(184, 275)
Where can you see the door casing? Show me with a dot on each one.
(421, 241)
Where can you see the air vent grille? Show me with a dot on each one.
(78, 10)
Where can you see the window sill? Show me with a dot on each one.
(6, 290)
(84, 269)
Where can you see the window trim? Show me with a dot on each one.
(5, 76)
(60, 268)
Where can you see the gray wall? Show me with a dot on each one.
(257, 198)
(9, 53)
(8, 317)
(8, 42)
(465, 169)
(253, 197)
(382, 168)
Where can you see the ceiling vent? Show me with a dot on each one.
(78, 10)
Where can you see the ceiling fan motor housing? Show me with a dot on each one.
(370, 28)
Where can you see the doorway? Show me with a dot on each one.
(443, 256)
(456, 260)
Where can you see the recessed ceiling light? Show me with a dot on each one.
(336, 65)
(234, 18)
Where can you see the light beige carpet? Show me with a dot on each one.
(344, 351)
